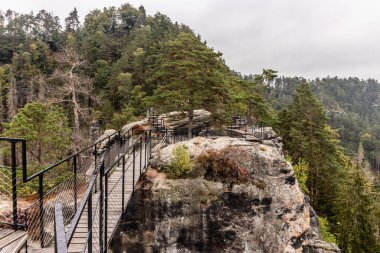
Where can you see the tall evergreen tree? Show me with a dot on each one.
(72, 21)
(303, 125)
(355, 213)
(189, 75)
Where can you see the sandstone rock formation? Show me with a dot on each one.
(133, 125)
(194, 214)
(180, 120)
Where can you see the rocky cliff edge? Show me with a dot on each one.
(259, 209)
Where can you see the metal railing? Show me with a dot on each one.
(171, 136)
(87, 184)
(238, 122)
(106, 197)
(40, 215)
(8, 184)
(105, 204)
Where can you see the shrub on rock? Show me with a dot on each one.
(181, 163)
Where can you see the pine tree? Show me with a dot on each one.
(72, 21)
(45, 127)
(355, 214)
(189, 75)
(303, 125)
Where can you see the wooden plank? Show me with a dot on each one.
(16, 245)
(4, 232)
(80, 234)
(12, 237)
(75, 248)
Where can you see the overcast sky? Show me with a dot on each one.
(307, 38)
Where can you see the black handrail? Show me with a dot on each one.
(84, 200)
(27, 179)
(96, 152)
(102, 173)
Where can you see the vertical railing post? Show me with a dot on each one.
(14, 185)
(134, 165)
(123, 185)
(89, 223)
(23, 147)
(150, 144)
(75, 170)
(95, 166)
(101, 196)
(41, 202)
(127, 145)
(141, 149)
(119, 147)
(109, 151)
(145, 147)
(105, 211)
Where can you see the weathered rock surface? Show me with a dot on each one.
(198, 215)
(104, 140)
(133, 125)
(180, 120)
(253, 133)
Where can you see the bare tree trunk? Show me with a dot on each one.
(73, 86)
(76, 133)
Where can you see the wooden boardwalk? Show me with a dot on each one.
(12, 241)
(114, 210)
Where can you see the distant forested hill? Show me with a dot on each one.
(353, 108)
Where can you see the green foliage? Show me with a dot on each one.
(303, 125)
(181, 164)
(188, 75)
(246, 98)
(119, 119)
(325, 229)
(72, 21)
(47, 133)
(337, 187)
(355, 214)
(138, 61)
(301, 170)
(4, 90)
(376, 185)
(101, 74)
(352, 107)
(46, 130)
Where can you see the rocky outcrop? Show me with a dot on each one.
(134, 125)
(258, 134)
(108, 136)
(180, 120)
(266, 213)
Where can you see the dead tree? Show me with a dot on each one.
(71, 86)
